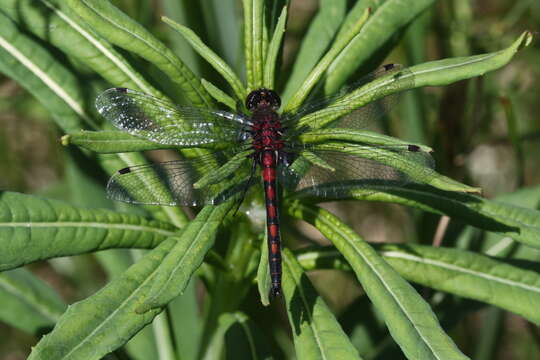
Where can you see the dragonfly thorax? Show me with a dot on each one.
(266, 130)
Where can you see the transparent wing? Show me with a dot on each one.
(331, 173)
(163, 122)
(339, 110)
(174, 182)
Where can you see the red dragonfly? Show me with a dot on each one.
(274, 142)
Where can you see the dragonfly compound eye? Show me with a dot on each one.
(263, 98)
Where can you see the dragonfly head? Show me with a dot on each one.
(263, 98)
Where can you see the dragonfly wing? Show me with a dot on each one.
(332, 173)
(163, 122)
(174, 182)
(339, 110)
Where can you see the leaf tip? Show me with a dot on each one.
(473, 190)
(65, 140)
(525, 39)
(529, 35)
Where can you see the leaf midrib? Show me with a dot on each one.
(381, 279)
(312, 324)
(452, 267)
(78, 224)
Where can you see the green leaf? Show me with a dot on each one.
(164, 339)
(263, 273)
(237, 337)
(388, 19)
(32, 228)
(274, 50)
(224, 171)
(469, 275)
(119, 29)
(390, 82)
(317, 258)
(315, 42)
(447, 71)
(254, 46)
(357, 136)
(115, 262)
(28, 303)
(219, 95)
(183, 13)
(499, 245)
(464, 273)
(316, 74)
(316, 332)
(24, 60)
(186, 322)
(96, 326)
(519, 223)
(213, 59)
(416, 167)
(110, 142)
(112, 163)
(54, 22)
(409, 318)
(435, 73)
(176, 268)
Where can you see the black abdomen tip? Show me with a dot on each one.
(275, 291)
(388, 67)
(124, 171)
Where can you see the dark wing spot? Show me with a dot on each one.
(413, 148)
(124, 171)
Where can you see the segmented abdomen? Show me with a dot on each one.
(268, 164)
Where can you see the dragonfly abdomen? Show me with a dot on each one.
(268, 164)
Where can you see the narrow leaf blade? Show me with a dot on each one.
(409, 318)
(33, 228)
(316, 332)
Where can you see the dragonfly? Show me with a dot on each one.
(226, 149)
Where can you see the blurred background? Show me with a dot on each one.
(485, 132)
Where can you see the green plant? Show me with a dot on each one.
(64, 53)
